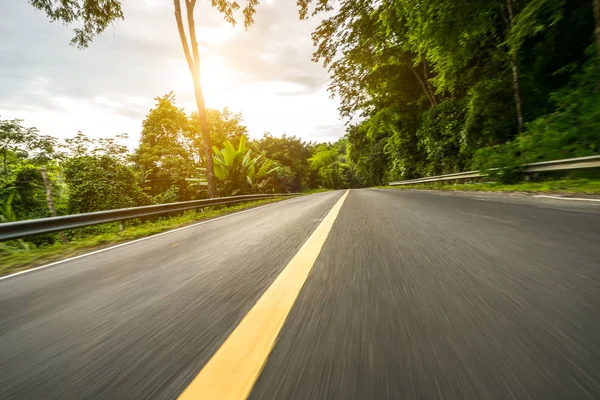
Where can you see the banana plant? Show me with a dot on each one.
(236, 168)
(7, 213)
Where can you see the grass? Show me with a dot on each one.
(578, 186)
(320, 190)
(13, 259)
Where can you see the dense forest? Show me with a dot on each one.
(443, 86)
(437, 87)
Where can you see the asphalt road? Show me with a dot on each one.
(415, 295)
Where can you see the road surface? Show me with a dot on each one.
(413, 295)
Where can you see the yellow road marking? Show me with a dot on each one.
(232, 371)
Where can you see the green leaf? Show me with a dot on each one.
(229, 153)
(221, 170)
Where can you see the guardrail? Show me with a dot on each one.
(20, 229)
(556, 165)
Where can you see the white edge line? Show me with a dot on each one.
(134, 241)
(566, 198)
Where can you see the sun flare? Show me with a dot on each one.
(216, 78)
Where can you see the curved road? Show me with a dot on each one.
(413, 295)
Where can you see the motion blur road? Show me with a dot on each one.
(415, 295)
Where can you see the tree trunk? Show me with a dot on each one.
(50, 199)
(517, 91)
(597, 24)
(423, 85)
(515, 71)
(426, 76)
(206, 140)
(193, 61)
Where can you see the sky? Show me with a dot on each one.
(266, 73)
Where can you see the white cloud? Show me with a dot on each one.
(265, 73)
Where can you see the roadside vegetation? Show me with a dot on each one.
(579, 186)
(17, 255)
(446, 86)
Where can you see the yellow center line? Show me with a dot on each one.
(237, 364)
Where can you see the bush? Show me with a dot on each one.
(572, 130)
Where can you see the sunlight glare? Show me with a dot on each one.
(217, 81)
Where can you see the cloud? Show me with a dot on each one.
(117, 78)
(330, 132)
(276, 48)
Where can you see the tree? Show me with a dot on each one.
(325, 165)
(166, 154)
(436, 80)
(224, 125)
(227, 8)
(101, 183)
(24, 151)
(98, 176)
(27, 142)
(170, 145)
(288, 151)
(95, 16)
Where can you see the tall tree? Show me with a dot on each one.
(14, 137)
(166, 152)
(227, 8)
(94, 16)
(288, 151)
(514, 63)
(99, 177)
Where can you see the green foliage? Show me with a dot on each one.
(287, 151)
(101, 183)
(91, 16)
(572, 130)
(31, 200)
(325, 166)
(21, 142)
(282, 178)
(170, 148)
(440, 136)
(7, 213)
(167, 153)
(237, 169)
(99, 177)
(224, 125)
(563, 186)
(369, 151)
(441, 84)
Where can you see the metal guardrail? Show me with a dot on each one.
(20, 229)
(556, 165)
